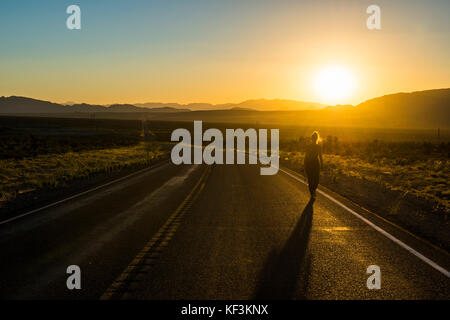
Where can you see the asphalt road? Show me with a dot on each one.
(219, 232)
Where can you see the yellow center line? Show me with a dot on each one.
(145, 258)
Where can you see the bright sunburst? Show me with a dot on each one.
(334, 84)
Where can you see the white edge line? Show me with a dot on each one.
(76, 195)
(386, 234)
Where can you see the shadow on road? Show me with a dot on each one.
(286, 271)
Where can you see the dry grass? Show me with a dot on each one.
(426, 179)
(55, 170)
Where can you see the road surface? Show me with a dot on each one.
(213, 232)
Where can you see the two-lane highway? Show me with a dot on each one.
(100, 232)
(220, 232)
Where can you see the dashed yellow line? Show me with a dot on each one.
(146, 258)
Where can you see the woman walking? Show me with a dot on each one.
(313, 163)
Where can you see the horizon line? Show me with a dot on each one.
(323, 105)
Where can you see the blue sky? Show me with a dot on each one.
(216, 51)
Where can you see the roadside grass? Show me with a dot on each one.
(427, 178)
(407, 186)
(49, 171)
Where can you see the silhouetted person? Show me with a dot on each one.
(313, 163)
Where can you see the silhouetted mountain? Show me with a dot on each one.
(140, 108)
(259, 104)
(22, 105)
(169, 105)
(125, 108)
(168, 110)
(421, 109)
(429, 108)
(84, 107)
(242, 109)
(27, 105)
(280, 105)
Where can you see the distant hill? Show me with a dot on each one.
(27, 105)
(257, 104)
(81, 107)
(168, 110)
(23, 105)
(241, 109)
(430, 108)
(123, 108)
(280, 105)
(161, 105)
(421, 109)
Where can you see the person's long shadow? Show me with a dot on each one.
(286, 271)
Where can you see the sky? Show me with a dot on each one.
(219, 51)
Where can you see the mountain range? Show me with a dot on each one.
(420, 109)
(23, 105)
(19, 105)
(255, 104)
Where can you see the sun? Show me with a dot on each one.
(334, 84)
